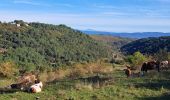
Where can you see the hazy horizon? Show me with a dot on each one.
(101, 15)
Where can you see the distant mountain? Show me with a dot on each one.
(136, 35)
(147, 45)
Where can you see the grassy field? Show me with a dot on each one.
(153, 86)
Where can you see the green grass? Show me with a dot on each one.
(153, 86)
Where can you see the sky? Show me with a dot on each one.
(101, 15)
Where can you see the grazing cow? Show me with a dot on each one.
(128, 71)
(164, 65)
(150, 66)
(37, 87)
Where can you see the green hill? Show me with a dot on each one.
(115, 42)
(36, 45)
(147, 45)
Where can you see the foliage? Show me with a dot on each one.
(114, 42)
(39, 45)
(147, 45)
(162, 55)
(8, 69)
(136, 59)
(26, 58)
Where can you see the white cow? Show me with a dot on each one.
(164, 65)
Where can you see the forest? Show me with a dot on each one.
(147, 45)
(37, 46)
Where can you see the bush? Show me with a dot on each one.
(8, 69)
(136, 59)
(162, 55)
(117, 61)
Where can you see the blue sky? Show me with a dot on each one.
(102, 15)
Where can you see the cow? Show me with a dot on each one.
(164, 65)
(23, 82)
(128, 71)
(150, 66)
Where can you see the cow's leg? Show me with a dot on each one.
(142, 73)
(158, 69)
(166, 68)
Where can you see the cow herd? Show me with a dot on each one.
(159, 66)
(146, 66)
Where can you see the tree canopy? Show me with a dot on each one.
(147, 45)
(41, 44)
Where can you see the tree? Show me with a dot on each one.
(162, 55)
(136, 60)
(18, 21)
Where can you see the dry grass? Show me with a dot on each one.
(80, 86)
(8, 69)
(78, 70)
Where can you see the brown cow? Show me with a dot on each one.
(26, 80)
(128, 71)
(150, 66)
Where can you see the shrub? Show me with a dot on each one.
(136, 59)
(162, 55)
(8, 69)
(118, 61)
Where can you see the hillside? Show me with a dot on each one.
(147, 45)
(36, 45)
(115, 42)
(134, 35)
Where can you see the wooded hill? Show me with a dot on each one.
(115, 42)
(147, 45)
(37, 45)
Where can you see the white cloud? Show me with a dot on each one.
(64, 5)
(29, 2)
(104, 6)
(35, 3)
(91, 21)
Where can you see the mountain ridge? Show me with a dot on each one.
(135, 35)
